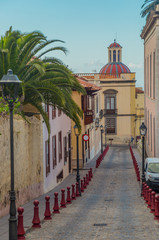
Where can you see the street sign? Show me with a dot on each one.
(85, 137)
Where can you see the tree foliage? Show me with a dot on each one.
(148, 6)
(44, 79)
(4, 108)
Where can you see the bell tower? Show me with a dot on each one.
(114, 52)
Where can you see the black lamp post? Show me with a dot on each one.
(10, 85)
(76, 131)
(105, 132)
(101, 129)
(143, 131)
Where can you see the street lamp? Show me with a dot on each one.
(105, 132)
(101, 129)
(143, 131)
(10, 85)
(76, 131)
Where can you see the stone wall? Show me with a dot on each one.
(28, 161)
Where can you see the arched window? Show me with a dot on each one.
(114, 56)
(110, 56)
(118, 55)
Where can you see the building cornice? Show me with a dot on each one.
(151, 20)
(128, 81)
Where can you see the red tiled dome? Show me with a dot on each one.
(114, 44)
(114, 68)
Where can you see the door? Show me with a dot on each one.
(69, 151)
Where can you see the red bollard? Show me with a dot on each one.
(63, 202)
(47, 213)
(143, 184)
(97, 163)
(146, 197)
(82, 186)
(77, 190)
(156, 208)
(36, 219)
(73, 192)
(91, 172)
(87, 180)
(85, 184)
(138, 176)
(20, 230)
(68, 200)
(152, 202)
(143, 189)
(56, 204)
(149, 198)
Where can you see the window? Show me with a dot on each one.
(53, 112)
(60, 145)
(65, 149)
(145, 87)
(118, 55)
(150, 75)
(54, 157)
(148, 132)
(114, 56)
(47, 108)
(154, 75)
(151, 129)
(111, 125)
(110, 102)
(47, 157)
(89, 101)
(96, 104)
(59, 112)
(110, 56)
(154, 134)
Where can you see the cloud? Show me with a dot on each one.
(93, 63)
(135, 65)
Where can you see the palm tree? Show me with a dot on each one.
(45, 80)
(148, 6)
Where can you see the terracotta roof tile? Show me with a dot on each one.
(86, 84)
(139, 90)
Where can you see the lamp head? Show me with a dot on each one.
(10, 84)
(101, 127)
(143, 130)
(76, 130)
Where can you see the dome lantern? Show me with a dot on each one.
(114, 65)
(114, 52)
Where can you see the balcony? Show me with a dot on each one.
(110, 112)
(88, 117)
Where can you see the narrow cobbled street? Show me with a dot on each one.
(110, 208)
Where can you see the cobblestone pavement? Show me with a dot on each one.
(28, 207)
(110, 208)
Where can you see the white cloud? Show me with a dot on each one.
(135, 65)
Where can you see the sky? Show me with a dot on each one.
(87, 27)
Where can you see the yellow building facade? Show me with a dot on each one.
(117, 97)
(87, 150)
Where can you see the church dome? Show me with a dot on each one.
(115, 45)
(114, 68)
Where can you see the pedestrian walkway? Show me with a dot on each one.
(110, 208)
(29, 207)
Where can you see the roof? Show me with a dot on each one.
(89, 86)
(114, 68)
(114, 44)
(139, 90)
